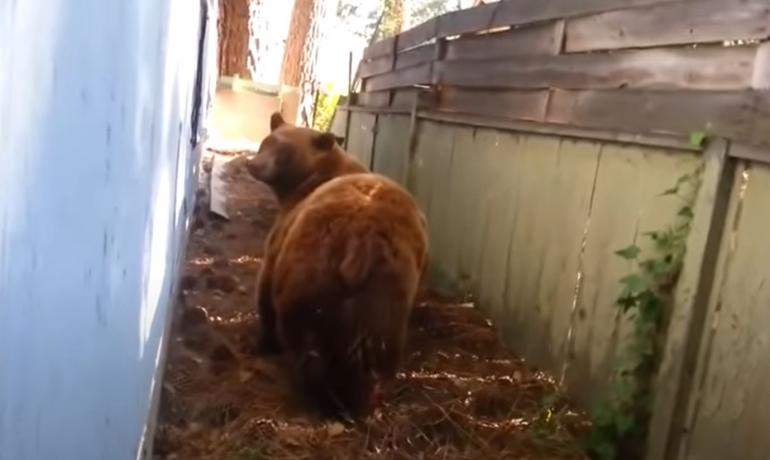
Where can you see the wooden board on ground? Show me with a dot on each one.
(218, 204)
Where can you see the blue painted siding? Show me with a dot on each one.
(96, 182)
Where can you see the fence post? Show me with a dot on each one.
(348, 102)
(685, 332)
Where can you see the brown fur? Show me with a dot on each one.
(295, 161)
(343, 265)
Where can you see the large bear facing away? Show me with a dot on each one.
(342, 267)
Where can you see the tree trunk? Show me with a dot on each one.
(259, 47)
(234, 37)
(298, 76)
(392, 20)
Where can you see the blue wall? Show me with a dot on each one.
(96, 182)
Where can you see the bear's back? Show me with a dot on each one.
(349, 211)
(345, 279)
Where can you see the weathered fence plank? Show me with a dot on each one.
(417, 35)
(521, 105)
(414, 56)
(670, 24)
(565, 198)
(730, 114)
(468, 175)
(524, 12)
(693, 291)
(466, 21)
(531, 323)
(405, 98)
(501, 173)
(626, 204)
(437, 145)
(542, 39)
(373, 99)
(749, 152)
(361, 136)
(421, 74)
(761, 77)
(391, 151)
(729, 406)
(671, 141)
(712, 68)
(383, 47)
(376, 66)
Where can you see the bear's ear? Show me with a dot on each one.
(324, 141)
(340, 140)
(276, 121)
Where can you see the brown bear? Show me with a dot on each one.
(342, 268)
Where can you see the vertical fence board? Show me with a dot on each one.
(626, 204)
(440, 149)
(467, 178)
(361, 136)
(503, 185)
(391, 149)
(428, 171)
(338, 123)
(565, 199)
(730, 408)
(693, 290)
(525, 257)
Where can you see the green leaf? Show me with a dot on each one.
(671, 191)
(658, 267)
(686, 211)
(652, 235)
(626, 302)
(550, 401)
(697, 138)
(624, 424)
(602, 415)
(634, 283)
(606, 451)
(629, 253)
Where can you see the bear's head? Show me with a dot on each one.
(290, 157)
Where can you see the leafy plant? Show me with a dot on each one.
(324, 111)
(620, 420)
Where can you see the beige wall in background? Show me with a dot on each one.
(240, 117)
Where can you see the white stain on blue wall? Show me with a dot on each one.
(99, 155)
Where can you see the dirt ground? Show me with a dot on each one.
(461, 395)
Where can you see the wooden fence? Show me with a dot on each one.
(640, 66)
(538, 135)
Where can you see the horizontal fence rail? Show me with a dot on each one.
(671, 67)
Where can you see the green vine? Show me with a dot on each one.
(619, 422)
